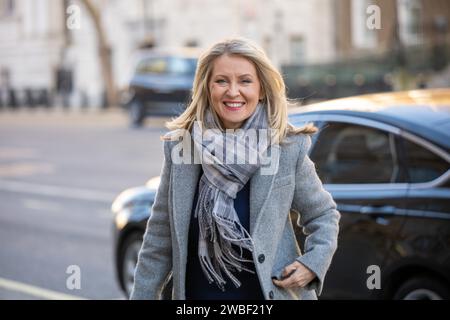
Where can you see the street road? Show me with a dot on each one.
(59, 173)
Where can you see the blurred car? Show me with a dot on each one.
(161, 84)
(385, 158)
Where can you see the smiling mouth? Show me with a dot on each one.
(234, 105)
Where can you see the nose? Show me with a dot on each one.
(233, 90)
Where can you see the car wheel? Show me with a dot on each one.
(128, 260)
(422, 288)
(136, 113)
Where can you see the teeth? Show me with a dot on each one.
(234, 105)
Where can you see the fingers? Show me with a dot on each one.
(296, 279)
(296, 276)
(289, 270)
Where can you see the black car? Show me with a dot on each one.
(385, 158)
(161, 84)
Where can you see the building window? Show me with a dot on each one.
(297, 50)
(362, 36)
(409, 20)
(7, 8)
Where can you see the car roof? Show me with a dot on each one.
(422, 112)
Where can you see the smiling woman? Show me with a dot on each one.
(223, 229)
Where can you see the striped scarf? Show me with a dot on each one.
(221, 180)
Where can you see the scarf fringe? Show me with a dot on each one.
(231, 232)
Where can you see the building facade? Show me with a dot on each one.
(52, 44)
(402, 22)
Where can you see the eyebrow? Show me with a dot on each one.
(240, 76)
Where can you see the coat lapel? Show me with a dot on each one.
(260, 189)
(260, 186)
(184, 186)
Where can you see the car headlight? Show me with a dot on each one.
(131, 197)
(121, 218)
(153, 183)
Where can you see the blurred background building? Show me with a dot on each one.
(79, 53)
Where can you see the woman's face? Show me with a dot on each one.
(235, 89)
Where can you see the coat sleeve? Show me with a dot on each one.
(318, 217)
(155, 257)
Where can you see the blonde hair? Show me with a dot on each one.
(272, 85)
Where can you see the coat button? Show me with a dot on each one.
(271, 294)
(261, 258)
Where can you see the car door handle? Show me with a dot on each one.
(377, 210)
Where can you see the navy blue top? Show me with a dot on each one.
(197, 285)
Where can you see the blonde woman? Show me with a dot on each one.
(234, 170)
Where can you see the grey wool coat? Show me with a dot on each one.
(295, 187)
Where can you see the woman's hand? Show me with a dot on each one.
(295, 275)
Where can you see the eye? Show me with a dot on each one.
(220, 81)
(247, 81)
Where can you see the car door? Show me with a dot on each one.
(424, 239)
(357, 161)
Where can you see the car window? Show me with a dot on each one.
(182, 65)
(423, 165)
(347, 153)
(167, 65)
(153, 65)
(446, 184)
